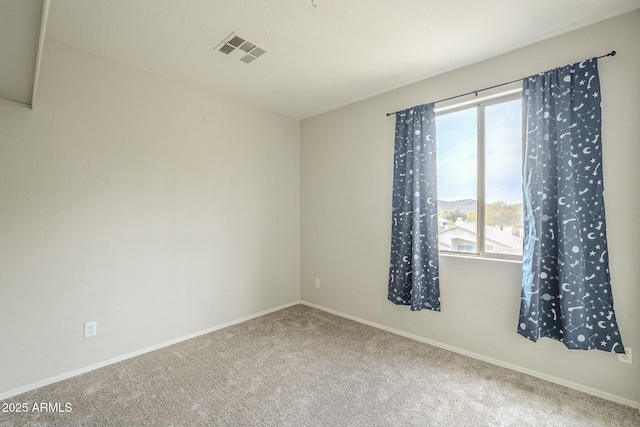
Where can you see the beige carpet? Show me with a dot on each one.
(305, 367)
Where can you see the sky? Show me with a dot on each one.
(457, 153)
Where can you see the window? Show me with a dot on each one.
(480, 178)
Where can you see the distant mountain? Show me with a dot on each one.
(464, 205)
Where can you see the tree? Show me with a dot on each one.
(453, 215)
(502, 214)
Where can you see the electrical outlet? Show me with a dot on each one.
(626, 358)
(91, 329)
(317, 283)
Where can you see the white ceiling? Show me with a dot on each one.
(317, 59)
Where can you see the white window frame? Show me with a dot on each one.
(480, 105)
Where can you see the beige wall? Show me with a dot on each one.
(154, 207)
(346, 163)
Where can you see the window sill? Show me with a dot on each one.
(480, 258)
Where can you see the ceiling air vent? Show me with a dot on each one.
(240, 48)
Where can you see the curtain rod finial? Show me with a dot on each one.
(612, 53)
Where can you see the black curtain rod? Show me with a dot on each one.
(612, 53)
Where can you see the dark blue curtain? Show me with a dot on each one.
(413, 275)
(566, 290)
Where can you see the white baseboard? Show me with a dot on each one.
(546, 377)
(117, 359)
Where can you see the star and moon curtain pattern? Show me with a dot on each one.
(566, 290)
(414, 270)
